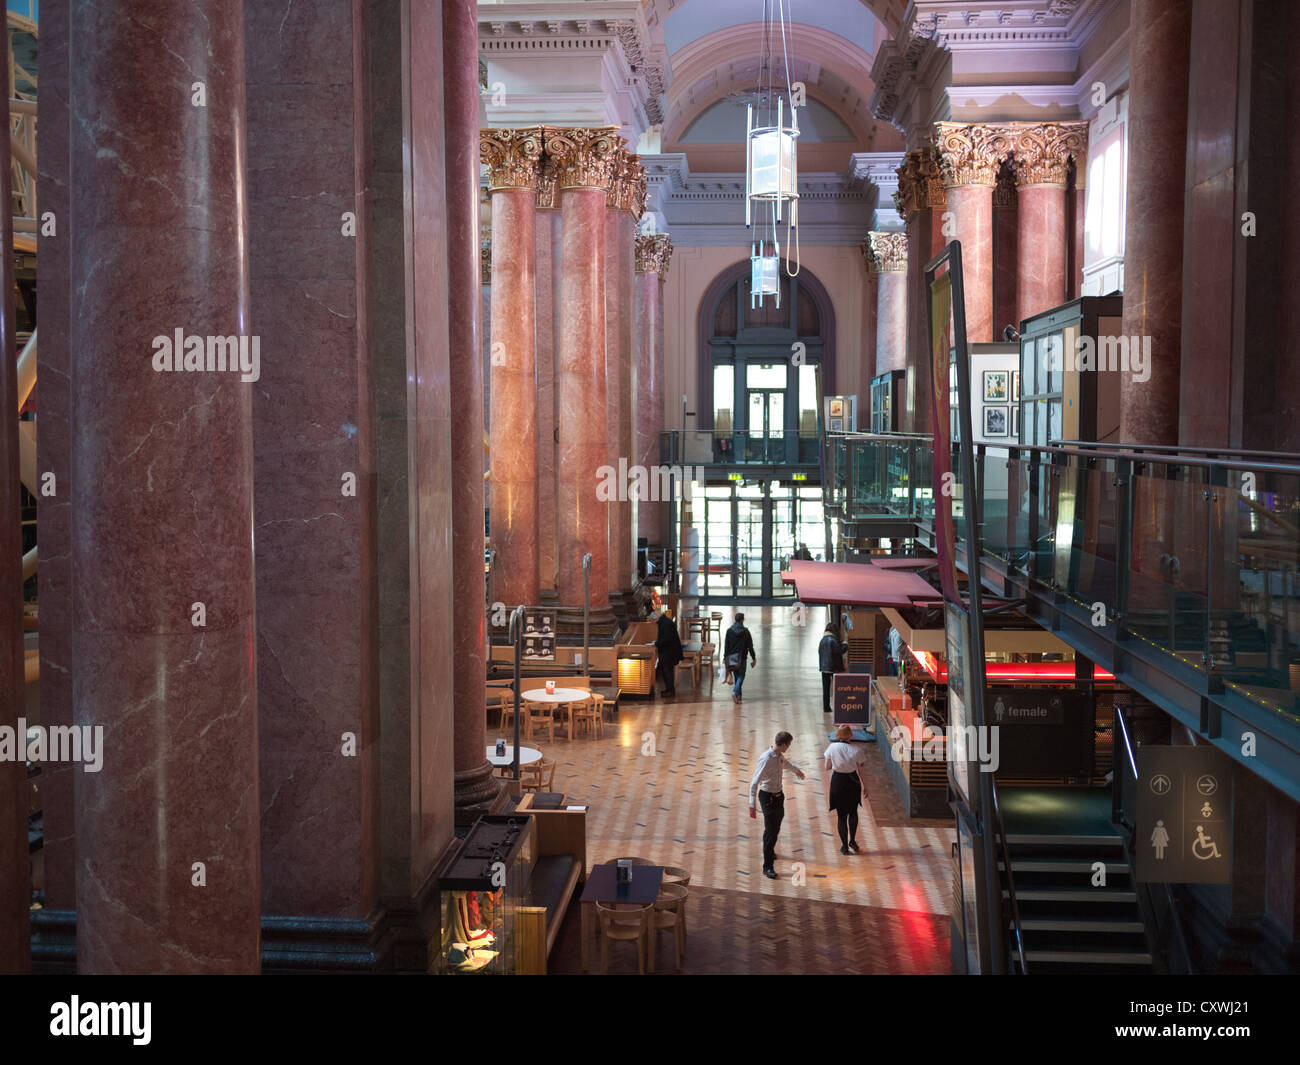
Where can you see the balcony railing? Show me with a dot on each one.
(707, 447)
(1196, 555)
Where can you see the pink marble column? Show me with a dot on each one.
(1041, 261)
(1006, 251)
(653, 256)
(585, 159)
(162, 479)
(474, 781)
(969, 157)
(922, 201)
(1160, 43)
(889, 256)
(15, 893)
(512, 157)
(546, 285)
(870, 330)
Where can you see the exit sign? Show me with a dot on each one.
(735, 476)
(800, 476)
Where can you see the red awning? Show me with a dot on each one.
(860, 584)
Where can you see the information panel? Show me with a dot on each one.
(1184, 815)
(851, 698)
(539, 636)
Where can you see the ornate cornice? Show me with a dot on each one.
(584, 157)
(511, 156)
(885, 253)
(970, 154)
(920, 185)
(654, 251)
(1041, 151)
(627, 189)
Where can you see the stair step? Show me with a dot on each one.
(1064, 841)
(1061, 865)
(1035, 894)
(1053, 924)
(1087, 957)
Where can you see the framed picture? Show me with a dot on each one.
(1015, 386)
(1015, 420)
(995, 386)
(837, 408)
(837, 425)
(995, 420)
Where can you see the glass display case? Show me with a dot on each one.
(481, 885)
(887, 401)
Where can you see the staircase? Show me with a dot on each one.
(1069, 926)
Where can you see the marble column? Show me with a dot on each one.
(870, 327)
(163, 655)
(922, 200)
(1040, 157)
(1160, 44)
(1006, 250)
(546, 252)
(512, 157)
(969, 156)
(15, 892)
(654, 253)
(889, 259)
(625, 201)
(474, 781)
(585, 160)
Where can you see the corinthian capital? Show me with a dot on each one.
(653, 253)
(885, 252)
(584, 157)
(970, 154)
(920, 187)
(511, 156)
(627, 187)
(1041, 152)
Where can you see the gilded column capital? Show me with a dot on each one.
(1004, 192)
(511, 156)
(548, 185)
(885, 253)
(627, 188)
(1041, 151)
(584, 157)
(920, 186)
(969, 154)
(654, 251)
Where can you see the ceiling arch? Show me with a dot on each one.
(888, 12)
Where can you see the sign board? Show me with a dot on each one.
(1184, 815)
(957, 639)
(1042, 731)
(539, 636)
(851, 698)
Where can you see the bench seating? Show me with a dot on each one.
(559, 869)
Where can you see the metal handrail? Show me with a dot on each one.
(1011, 880)
(1180, 447)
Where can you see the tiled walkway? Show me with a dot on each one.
(670, 783)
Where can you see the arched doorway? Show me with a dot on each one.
(762, 372)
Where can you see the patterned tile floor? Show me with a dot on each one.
(670, 782)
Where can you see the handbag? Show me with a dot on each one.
(733, 660)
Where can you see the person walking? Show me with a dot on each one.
(669, 645)
(739, 643)
(846, 763)
(830, 658)
(767, 786)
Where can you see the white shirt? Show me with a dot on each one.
(767, 777)
(845, 757)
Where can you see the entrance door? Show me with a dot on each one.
(766, 439)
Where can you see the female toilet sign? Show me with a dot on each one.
(1184, 827)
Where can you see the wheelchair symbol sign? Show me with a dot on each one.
(1203, 847)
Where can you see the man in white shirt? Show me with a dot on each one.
(767, 786)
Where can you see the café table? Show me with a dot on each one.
(527, 756)
(603, 886)
(560, 697)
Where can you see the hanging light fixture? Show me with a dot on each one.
(771, 165)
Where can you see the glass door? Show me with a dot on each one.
(719, 547)
(766, 441)
(750, 557)
(784, 543)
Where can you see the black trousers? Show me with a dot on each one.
(826, 691)
(848, 826)
(668, 674)
(773, 805)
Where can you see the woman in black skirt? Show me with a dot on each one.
(846, 763)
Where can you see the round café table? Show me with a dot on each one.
(527, 756)
(559, 697)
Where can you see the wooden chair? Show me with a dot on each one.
(591, 713)
(715, 626)
(670, 916)
(503, 701)
(676, 875)
(539, 715)
(690, 660)
(625, 925)
(707, 659)
(540, 776)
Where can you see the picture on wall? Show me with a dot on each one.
(1015, 420)
(995, 386)
(995, 421)
(837, 408)
(1015, 386)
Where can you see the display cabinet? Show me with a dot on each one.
(887, 401)
(482, 884)
(1074, 361)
